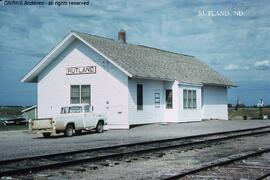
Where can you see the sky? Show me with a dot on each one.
(235, 46)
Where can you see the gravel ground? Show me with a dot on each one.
(14, 144)
(157, 165)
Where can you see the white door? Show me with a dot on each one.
(157, 100)
(114, 114)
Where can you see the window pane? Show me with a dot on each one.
(65, 110)
(189, 99)
(87, 108)
(75, 109)
(74, 94)
(194, 100)
(85, 94)
(139, 97)
(185, 99)
(168, 98)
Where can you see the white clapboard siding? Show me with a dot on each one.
(109, 86)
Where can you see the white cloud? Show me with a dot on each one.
(231, 67)
(262, 65)
(258, 65)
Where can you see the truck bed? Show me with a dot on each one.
(41, 124)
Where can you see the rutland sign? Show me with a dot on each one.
(81, 70)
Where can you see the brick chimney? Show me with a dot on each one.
(122, 36)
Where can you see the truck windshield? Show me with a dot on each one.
(72, 109)
(65, 110)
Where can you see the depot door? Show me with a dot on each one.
(157, 109)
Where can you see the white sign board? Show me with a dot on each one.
(81, 70)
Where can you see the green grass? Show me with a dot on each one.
(11, 110)
(13, 128)
(251, 113)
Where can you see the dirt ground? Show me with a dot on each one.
(158, 165)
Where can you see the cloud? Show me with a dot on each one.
(28, 33)
(262, 65)
(258, 65)
(233, 67)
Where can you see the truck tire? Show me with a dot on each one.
(69, 130)
(46, 135)
(99, 127)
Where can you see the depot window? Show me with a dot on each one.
(190, 99)
(80, 94)
(139, 97)
(169, 101)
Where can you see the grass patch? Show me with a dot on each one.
(251, 113)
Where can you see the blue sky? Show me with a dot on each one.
(237, 47)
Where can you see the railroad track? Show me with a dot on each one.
(51, 161)
(250, 165)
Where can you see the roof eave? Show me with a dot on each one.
(152, 78)
(220, 85)
(31, 76)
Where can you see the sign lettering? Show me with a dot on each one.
(81, 70)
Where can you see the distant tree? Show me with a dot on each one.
(241, 105)
(230, 105)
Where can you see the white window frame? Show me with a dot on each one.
(189, 99)
(80, 93)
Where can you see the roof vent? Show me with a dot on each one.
(122, 36)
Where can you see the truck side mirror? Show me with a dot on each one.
(92, 108)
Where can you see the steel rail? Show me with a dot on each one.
(222, 163)
(119, 155)
(263, 177)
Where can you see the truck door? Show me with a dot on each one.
(89, 117)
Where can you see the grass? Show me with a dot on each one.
(11, 110)
(251, 113)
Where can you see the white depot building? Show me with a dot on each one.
(131, 84)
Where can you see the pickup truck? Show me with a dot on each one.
(72, 119)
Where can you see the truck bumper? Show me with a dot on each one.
(40, 131)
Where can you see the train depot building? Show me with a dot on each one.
(130, 84)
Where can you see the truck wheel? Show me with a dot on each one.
(99, 127)
(46, 135)
(69, 130)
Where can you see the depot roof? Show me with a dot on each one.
(139, 61)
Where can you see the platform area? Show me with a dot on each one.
(14, 144)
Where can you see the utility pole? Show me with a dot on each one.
(260, 106)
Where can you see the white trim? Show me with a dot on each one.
(30, 108)
(45, 58)
(111, 61)
(189, 84)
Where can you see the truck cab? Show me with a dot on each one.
(73, 118)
